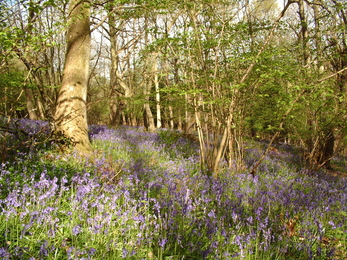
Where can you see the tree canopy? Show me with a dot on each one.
(220, 70)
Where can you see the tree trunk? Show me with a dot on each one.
(71, 114)
(326, 151)
(115, 96)
(147, 113)
(304, 33)
(148, 73)
(116, 83)
(157, 93)
(30, 103)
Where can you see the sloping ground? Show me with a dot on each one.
(145, 197)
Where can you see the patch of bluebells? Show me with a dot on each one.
(22, 137)
(25, 126)
(96, 129)
(163, 206)
(32, 127)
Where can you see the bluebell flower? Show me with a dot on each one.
(4, 254)
(162, 242)
(212, 214)
(43, 249)
(124, 252)
(91, 251)
(76, 230)
(332, 224)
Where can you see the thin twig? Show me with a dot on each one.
(332, 75)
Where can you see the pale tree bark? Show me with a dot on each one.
(157, 93)
(70, 115)
(304, 33)
(170, 109)
(318, 36)
(168, 25)
(120, 89)
(30, 104)
(180, 110)
(148, 115)
(149, 72)
(116, 105)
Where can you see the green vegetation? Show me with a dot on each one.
(144, 198)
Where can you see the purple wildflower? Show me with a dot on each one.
(124, 252)
(43, 250)
(76, 230)
(162, 242)
(91, 251)
(4, 254)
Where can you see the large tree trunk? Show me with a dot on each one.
(70, 115)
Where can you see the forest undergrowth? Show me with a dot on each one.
(145, 197)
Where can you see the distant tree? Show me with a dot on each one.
(121, 44)
(323, 60)
(31, 38)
